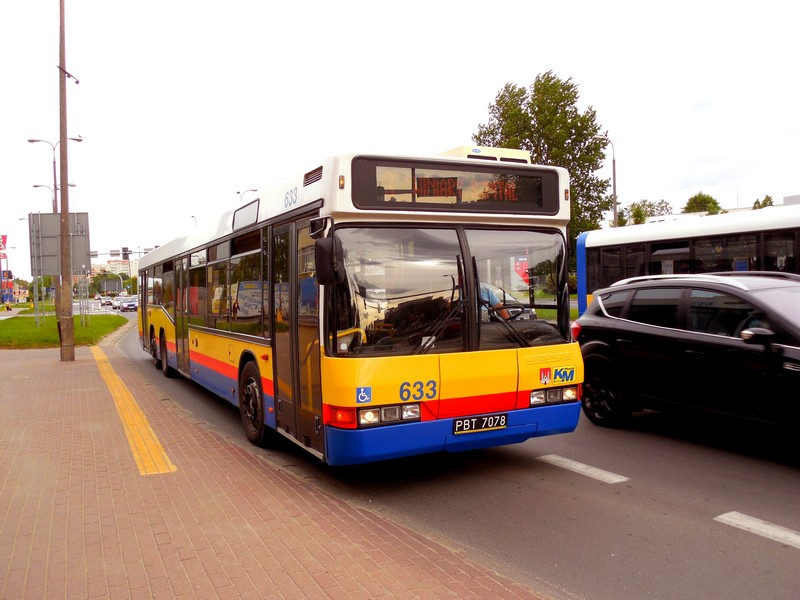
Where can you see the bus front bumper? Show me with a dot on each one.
(355, 446)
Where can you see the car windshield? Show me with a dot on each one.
(784, 301)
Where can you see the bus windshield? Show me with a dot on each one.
(410, 290)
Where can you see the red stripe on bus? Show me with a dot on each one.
(475, 405)
(223, 368)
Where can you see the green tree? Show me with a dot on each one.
(701, 202)
(767, 201)
(545, 120)
(638, 212)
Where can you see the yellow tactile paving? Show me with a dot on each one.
(150, 456)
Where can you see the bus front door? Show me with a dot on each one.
(295, 337)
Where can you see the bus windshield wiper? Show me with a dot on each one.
(438, 326)
(508, 326)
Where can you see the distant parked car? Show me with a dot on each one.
(724, 343)
(128, 304)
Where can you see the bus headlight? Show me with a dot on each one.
(387, 415)
(554, 395)
(369, 416)
(537, 397)
(410, 412)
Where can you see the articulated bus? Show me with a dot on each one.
(379, 306)
(767, 239)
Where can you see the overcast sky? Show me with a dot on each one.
(181, 104)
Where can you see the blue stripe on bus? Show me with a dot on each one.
(216, 382)
(580, 257)
(354, 446)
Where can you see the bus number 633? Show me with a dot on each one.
(418, 390)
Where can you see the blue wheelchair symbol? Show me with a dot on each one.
(364, 395)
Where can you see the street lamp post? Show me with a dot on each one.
(66, 352)
(55, 180)
(241, 194)
(613, 174)
(53, 191)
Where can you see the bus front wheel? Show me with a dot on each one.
(251, 405)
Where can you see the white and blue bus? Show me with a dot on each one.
(766, 239)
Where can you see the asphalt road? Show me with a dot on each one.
(672, 507)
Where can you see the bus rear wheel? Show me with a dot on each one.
(251, 405)
(154, 351)
(165, 368)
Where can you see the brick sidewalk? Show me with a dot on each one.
(77, 520)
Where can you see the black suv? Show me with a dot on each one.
(725, 343)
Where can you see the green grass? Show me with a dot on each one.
(48, 309)
(22, 332)
(550, 314)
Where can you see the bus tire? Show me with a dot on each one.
(154, 352)
(602, 399)
(165, 368)
(251, 405)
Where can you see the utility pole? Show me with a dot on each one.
(66, 326)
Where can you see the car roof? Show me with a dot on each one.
(743, 280)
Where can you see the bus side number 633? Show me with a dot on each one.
(418, 390)
(290, 198)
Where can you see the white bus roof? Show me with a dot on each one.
(771, 217)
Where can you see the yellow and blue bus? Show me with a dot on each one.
(379, 306)
(767, 239)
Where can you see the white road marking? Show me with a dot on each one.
(593, 472)
(763, 528)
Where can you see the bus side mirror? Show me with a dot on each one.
(328, 255)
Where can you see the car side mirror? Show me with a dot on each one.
(757, 335)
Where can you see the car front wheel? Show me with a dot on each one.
(602, 399)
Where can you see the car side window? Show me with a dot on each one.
(656, 306)
(717, 313)
(614, 302)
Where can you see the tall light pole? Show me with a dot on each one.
(613, 174)
(54, 190)
(241, 194)
(55, 181)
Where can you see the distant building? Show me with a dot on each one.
(118, 267)
(791, 199)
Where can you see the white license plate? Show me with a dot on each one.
(479, 423)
